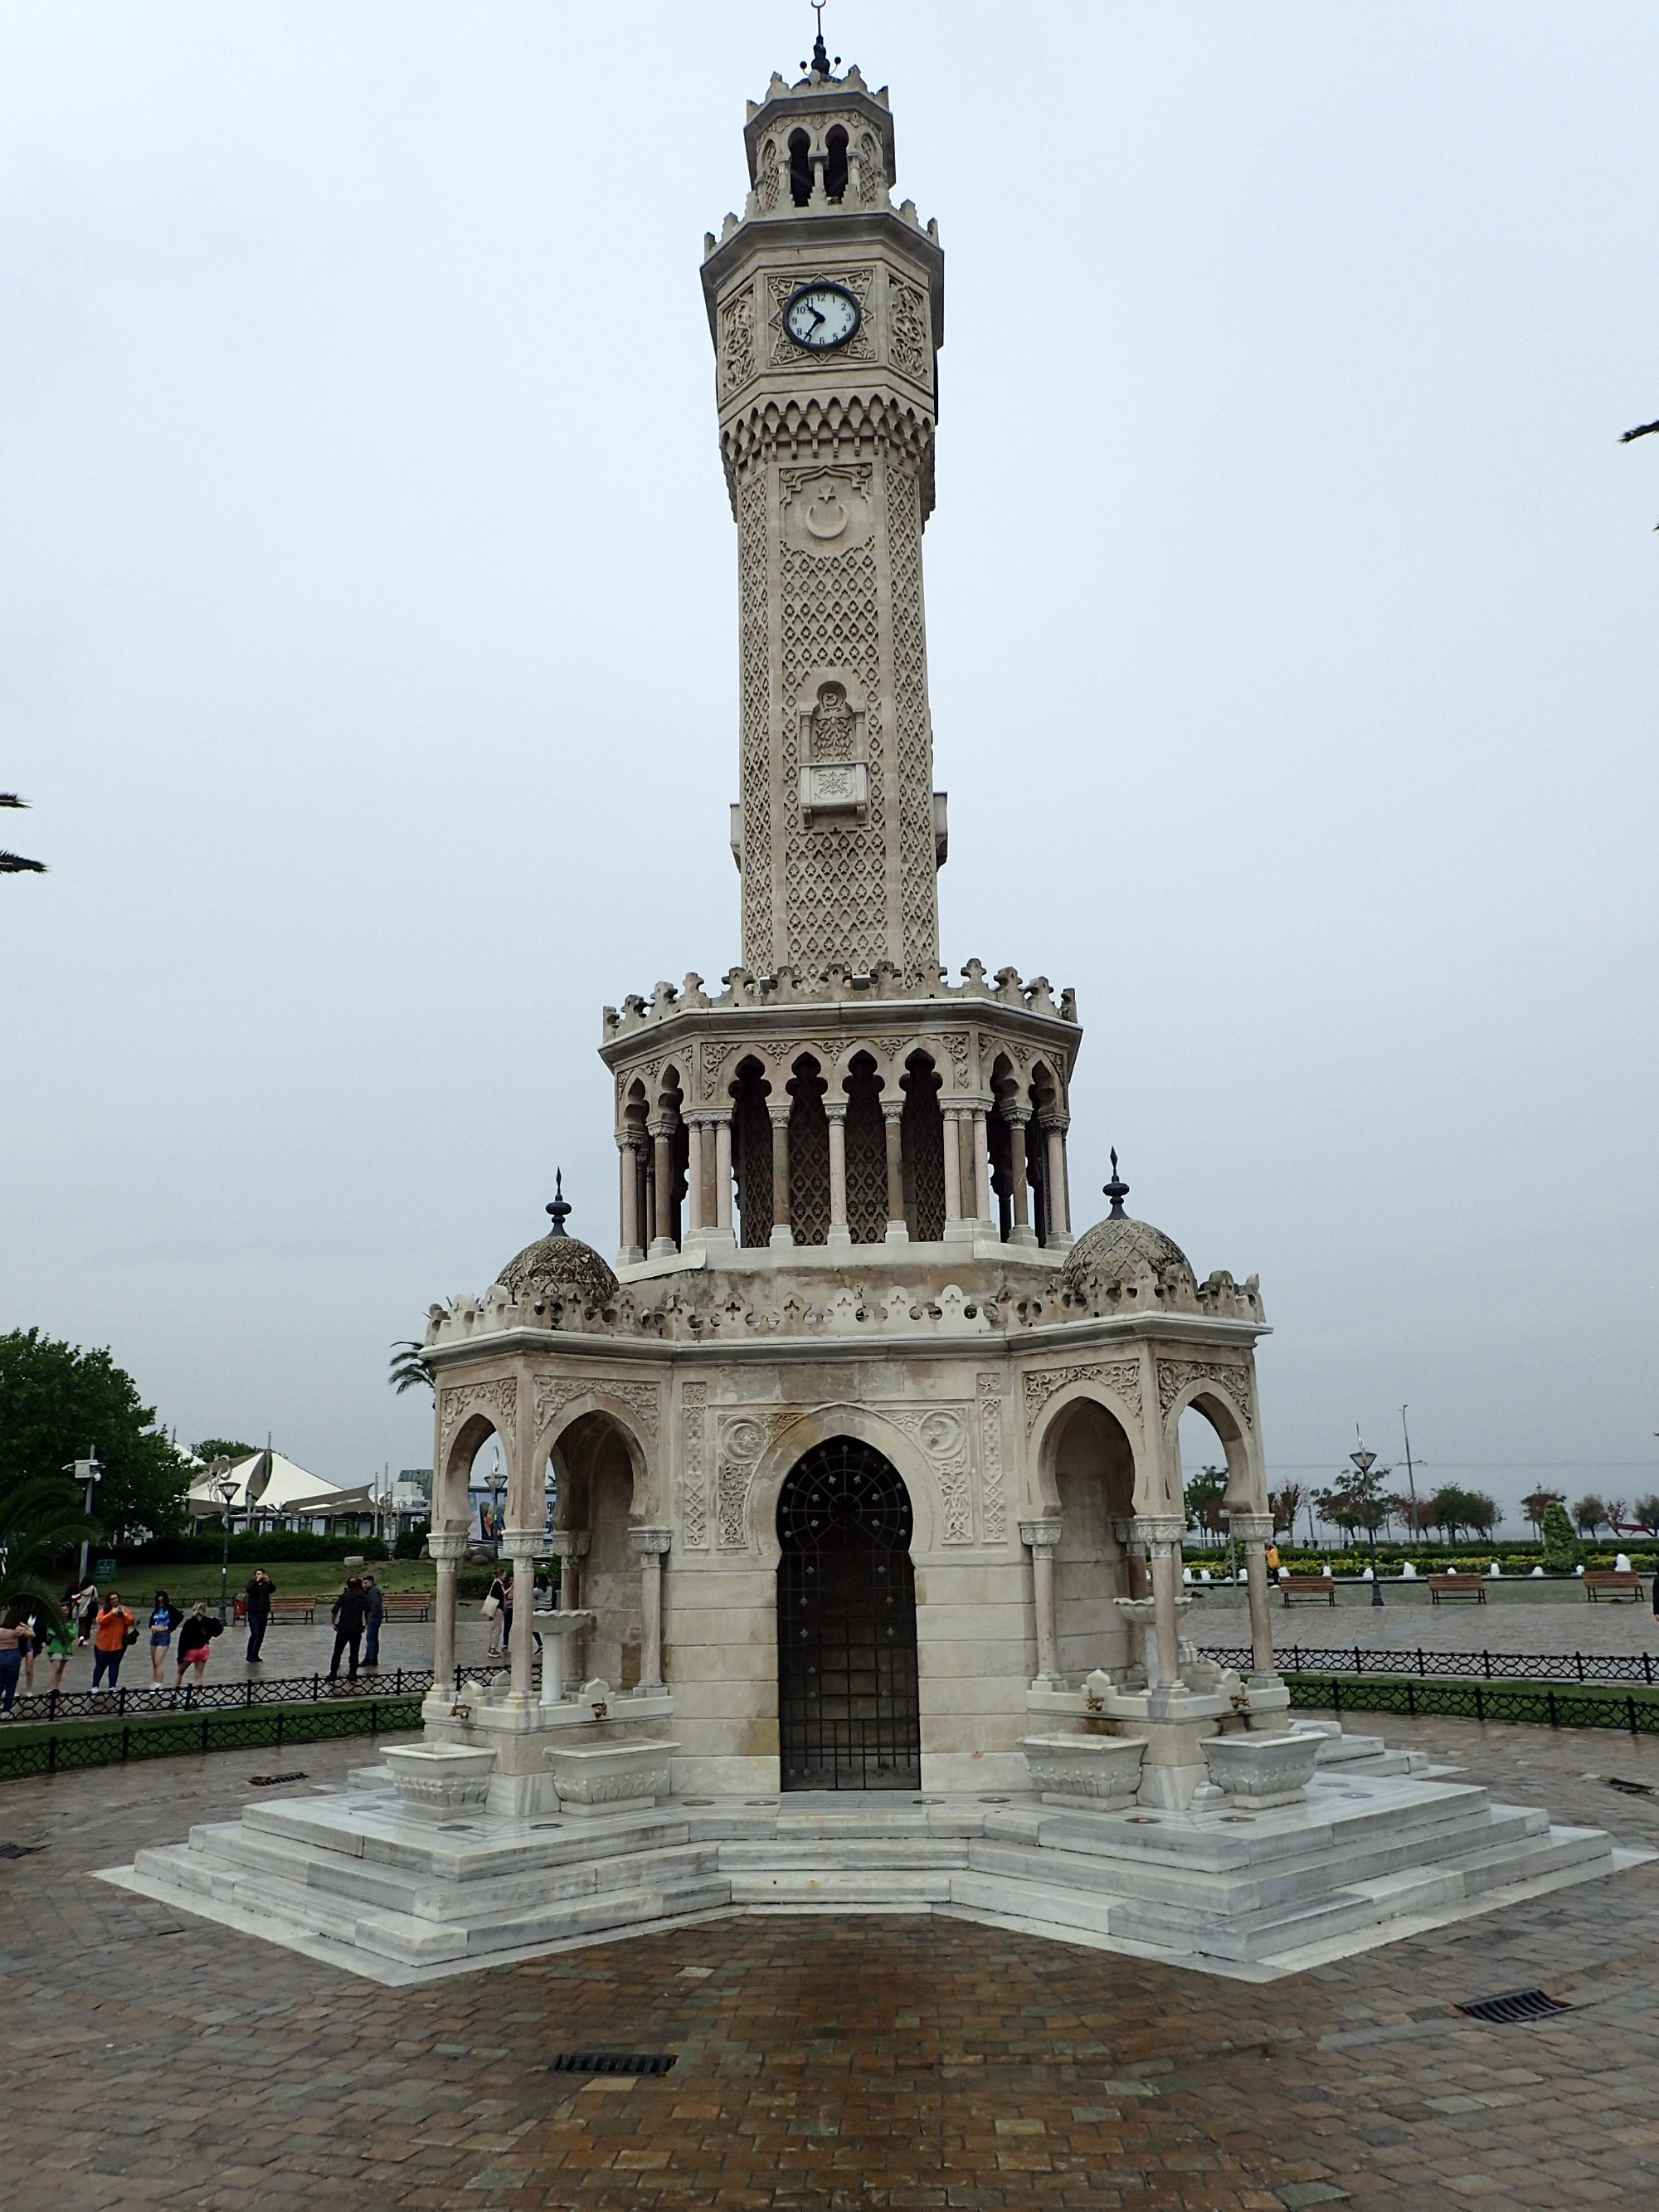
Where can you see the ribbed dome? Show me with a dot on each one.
(1114, 1250)
(559, 1264)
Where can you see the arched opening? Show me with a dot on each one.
(1213, 1464)
(1000, 1146)
(754, 1162)
(835, 164)
(923, 1151)
(1094, 1473)
(594, 1475)
(1045, 1097)
(809, 1155)
(800, 167)
(848, 1706)
(866, 1154)
(668, 1209)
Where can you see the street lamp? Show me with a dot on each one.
(1365, 1461)
(90, 1472)
(224, 1485)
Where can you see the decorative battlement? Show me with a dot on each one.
(884, 983)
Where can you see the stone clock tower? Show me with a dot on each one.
(827, 306)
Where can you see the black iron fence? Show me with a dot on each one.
(146, 1703)
(178, 1734)
(1474, 1701)
(1488, 1666)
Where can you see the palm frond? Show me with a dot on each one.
(10, 798)
(14, 864)
(409, 1367)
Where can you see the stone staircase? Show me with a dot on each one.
(1375, 1851)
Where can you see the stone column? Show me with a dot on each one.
(1162, 1533)
(1254, 1531)
(835, 1112)
(569, 1546)
(1041, 1537)
(723, 1175)
(647, 1195)
(662, 1143)
(982, 1166)
(777, 1113)
(651, 1545)
(892, 1116)
(1060, 1202)
(447, 1547)
(695, 1222)
(952, 1171)
(1018, 1116)
(631, 1247)
(521, 1546)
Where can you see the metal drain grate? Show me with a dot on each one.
(612, 2062)
(1519, 2005)
(270, 1781)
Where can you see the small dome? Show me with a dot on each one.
(559, 1264)
(1114, 1251)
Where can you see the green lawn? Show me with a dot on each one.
(293, 1578)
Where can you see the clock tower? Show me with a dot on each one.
(826, 304)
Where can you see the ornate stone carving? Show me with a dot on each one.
(743, 1438)
(994, 1506)
(1230, 1377)
(693, 1483)
(827, 511)
(942, 1433)
(914, 739)
(754, 569)
(499, 1400)
(908, 342)
(956, 1045)
(553, 1393)
(738, 340)
(1120, 1377)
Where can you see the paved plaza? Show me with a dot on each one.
(1567, 1624)
(153, 2059)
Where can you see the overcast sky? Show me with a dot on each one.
(368, 651)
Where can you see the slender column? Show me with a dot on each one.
(1255, 1532)
(521, 1546)
(447, 1547)
(648, 1188)
(723, 1175)
(952, 1169)
(1060, 1203)
(835, 1112)
(982, 1166)
(631, 1247)
(1041, 1537)
(892, 1114)
(695, 1221)
(569, 1546)
(662, 1222)
(650, 1544)
(777, 1112)
(1162, 1533)
(1018, 1116)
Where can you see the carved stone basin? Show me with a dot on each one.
(1257, 1770)
(1101, 1773)
(440, 1778)
(605, 1777)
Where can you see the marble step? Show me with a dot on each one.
(888, 1889)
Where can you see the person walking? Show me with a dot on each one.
(494, 1606)
(163, 1619)
(16, 1636)
(195, 1641)
(347, 1615)
(85, 1602)
(59, 1647)
(510, 1595)
(373, 1611)
(110, 1639)
(256, 1603)
(1271, 1557)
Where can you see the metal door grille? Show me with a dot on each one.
(849, 1712)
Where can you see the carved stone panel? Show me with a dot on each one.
(499, 1400)
(942, 1433)
(993, 1505)
(694, 1480)
(743, 1438)
(1120, 1377)
(1230, 1377)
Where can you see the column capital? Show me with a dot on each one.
(1163, 1531)
(1040, 1535)
(706, 1117)
(448, 1544)
(649, 1542)
(892, 1109)
(630, 1140)
(663, 1125)
(1018, 1110)
(1252, 1527)
(1055, 1117)
(523, 1544)
(570, 1543)
(836, 1108)
(778, 1110)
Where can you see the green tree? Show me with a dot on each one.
(1645, 1514)
(1285, 1504)
(1562, 1548)
(1453, 1509)
(1589, 1512)
(212, 1447)
(57, 1403)
(1358, 1502)
(1537, 1503)
(409, 1370)
(1204, 1496)
(1482, 1511)
(14, 864)
(39, 1523)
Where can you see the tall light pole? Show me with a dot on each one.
(1411, 1478)
(223, 1485)
(88, 1471)
(1365, 1461)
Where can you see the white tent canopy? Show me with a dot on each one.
(288, 1485)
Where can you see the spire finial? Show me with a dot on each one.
(559, 1208)
(820, 62)
(1117, 1190)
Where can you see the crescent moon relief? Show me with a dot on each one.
(826, 518)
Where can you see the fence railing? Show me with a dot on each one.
(1474, 1701)
(1488, 1666)
(179, 1733)
(146, 1703)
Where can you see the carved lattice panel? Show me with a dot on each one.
(923, 1134)
(756, 682)
(754, 1164)
(913, 736)
(809, 1170)
(866, 1161)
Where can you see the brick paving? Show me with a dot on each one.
(1399, 1624)
(823, 2065)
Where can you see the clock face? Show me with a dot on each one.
(822, 317)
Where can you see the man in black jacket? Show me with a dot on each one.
(255, 1600)
(349, 1614)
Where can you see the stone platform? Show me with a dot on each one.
(1380, 1848)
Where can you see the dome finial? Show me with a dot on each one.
(559, 1208)
(1117, 1190)
(820, 61)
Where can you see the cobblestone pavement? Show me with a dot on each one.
(823, 2065)
(1517, 1625)
(289, 1648)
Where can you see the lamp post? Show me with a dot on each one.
(1411, 1475)
(90, 1472)
(1365, 1461)
(223, 1485)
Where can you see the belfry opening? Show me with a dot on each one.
(848, 1709)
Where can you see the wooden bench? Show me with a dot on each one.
(1313, 1588)
(1611, 1581)
(406, 1605)
(1473, 1586)
(294, 1608)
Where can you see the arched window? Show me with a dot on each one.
(754, 1157)
(866, 1154)
(800, 167)
(809, 1155)
(923, 1151)
(835, 164)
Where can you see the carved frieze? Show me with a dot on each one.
(743, 1438)
(738, 340)
(1231, 1378)
(554, 1392)
(498, 1400)
(694, 1482)
(1120, 1377)
(993, 1505)
(942, 1433)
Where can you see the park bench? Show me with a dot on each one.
(1473, 1586)
(294, 1608)
(1611, 1582)
(407, 1605)
(1315, 1589)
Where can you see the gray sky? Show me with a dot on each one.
(368, 651)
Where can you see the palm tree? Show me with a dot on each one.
(409, 1368)
(14, 864)
(39, 1519)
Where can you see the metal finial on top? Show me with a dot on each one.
(1117, 1190)
(560, 1207)
(820, 62)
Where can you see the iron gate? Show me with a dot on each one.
(848, 1713)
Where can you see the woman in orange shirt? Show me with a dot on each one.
(109, 1639)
